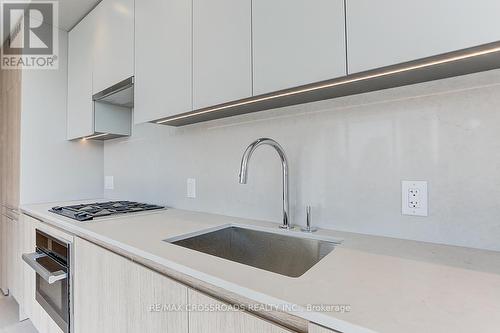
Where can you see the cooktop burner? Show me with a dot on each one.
(87, 212)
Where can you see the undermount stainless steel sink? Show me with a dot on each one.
(272, 251)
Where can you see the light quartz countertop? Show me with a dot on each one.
(390, 285)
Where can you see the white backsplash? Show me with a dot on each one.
(347, 159)
(52, 168)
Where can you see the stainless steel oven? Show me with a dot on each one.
(51, 262)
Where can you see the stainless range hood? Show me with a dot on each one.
(121, 94)
(113, 111)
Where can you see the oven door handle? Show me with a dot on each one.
(50, 277)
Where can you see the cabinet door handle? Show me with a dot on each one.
(12, 218)
(13, 210)
(44, 273)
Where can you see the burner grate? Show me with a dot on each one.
(87, 212)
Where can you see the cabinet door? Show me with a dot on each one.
(17, 276)
(27, 282)
(113, 43)
(120, 296)
(313, 328)
(297, 42)
(4, 254)
(163, 59)
(222, 51)
(222, 320)
(80, 106)
(11, 242)
(387, 32)
(19, 234)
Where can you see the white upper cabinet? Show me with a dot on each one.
(101, 54)
(163, 59)
(222, 50)
(387, 32)
(297, 42)
(113, 43)
(80, 58)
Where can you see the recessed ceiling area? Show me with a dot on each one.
(72, 11)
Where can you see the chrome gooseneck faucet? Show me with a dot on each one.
(284, 166)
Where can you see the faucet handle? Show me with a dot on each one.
(308, 227)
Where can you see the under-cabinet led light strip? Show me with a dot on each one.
(95, 136)
(338, 83)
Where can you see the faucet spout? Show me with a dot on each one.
(243, 176)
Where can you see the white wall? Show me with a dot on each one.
(348, 157)
(52, 168)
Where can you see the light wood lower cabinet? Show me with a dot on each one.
(113, 294)
(3, 263)
(208, 315)
(21, 229)
(4, 254)
(27, 282)
(11, 233)
(313, 328)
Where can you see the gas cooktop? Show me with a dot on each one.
(87, 212)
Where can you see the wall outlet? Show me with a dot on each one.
(191, 188)
(109, 183)
(414, 198)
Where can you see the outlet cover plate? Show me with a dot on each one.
(191, 188)
(414, 198)
(109, 183)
